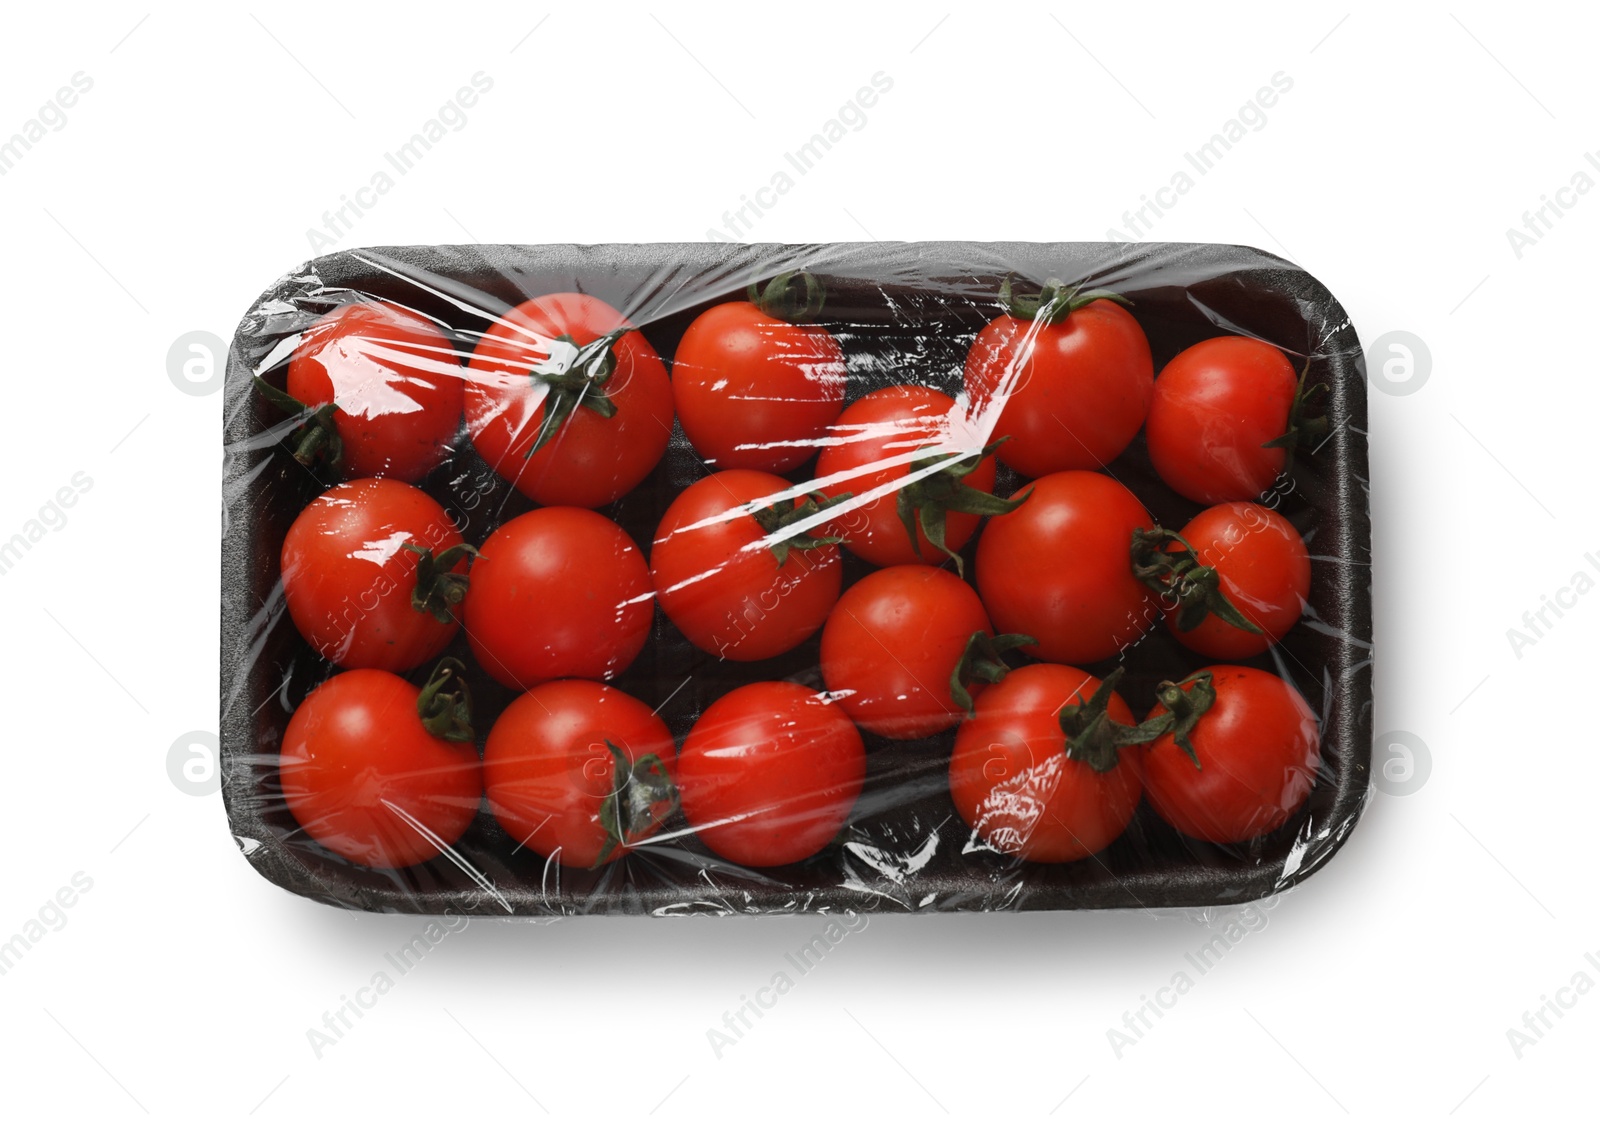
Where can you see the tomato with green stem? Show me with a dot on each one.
(1227, 417)
(579, 771)
(381, 773)
(1058, 568)
(919, 472)
(1233, 581)
(372, 573)
(757, 383)
(559, 592)
(1066, 373)
(568, 401)
(1239, 756)
(769, 774)
(895, 650)
(1048, 767)
(742, 566)
(379, 390)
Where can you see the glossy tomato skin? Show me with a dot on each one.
(755, 392)
(348, 580)
(591, 461)
(1215, 405)
(894, 426)
(722, 587)
(1259, 753)
(548, 767)
(892, 642)
(1013, 782)
(1071, 395)
(1264, 571)
(558, 593)
(769, 773)
(396, 380)
(356, 746)
(1057, 568)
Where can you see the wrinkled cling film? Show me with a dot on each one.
(901, 314)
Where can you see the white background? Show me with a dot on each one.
(185, 180)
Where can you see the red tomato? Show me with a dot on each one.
(891, 645)
(869, 453)
(1029, 789)
(726, 584)
(1217, 405)
(1058, 568)
(1262, 570)
(394, 386)
(754, 391)
(1071, 393)
(579, 771)
(568, 401)
(1258, 754)
(769, 773)
(558, 593)
(365, 777)
(351, 571)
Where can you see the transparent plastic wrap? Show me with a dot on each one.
(704, 578)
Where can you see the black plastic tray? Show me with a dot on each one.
(903, 848)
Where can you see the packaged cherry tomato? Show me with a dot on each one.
(681, 578)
